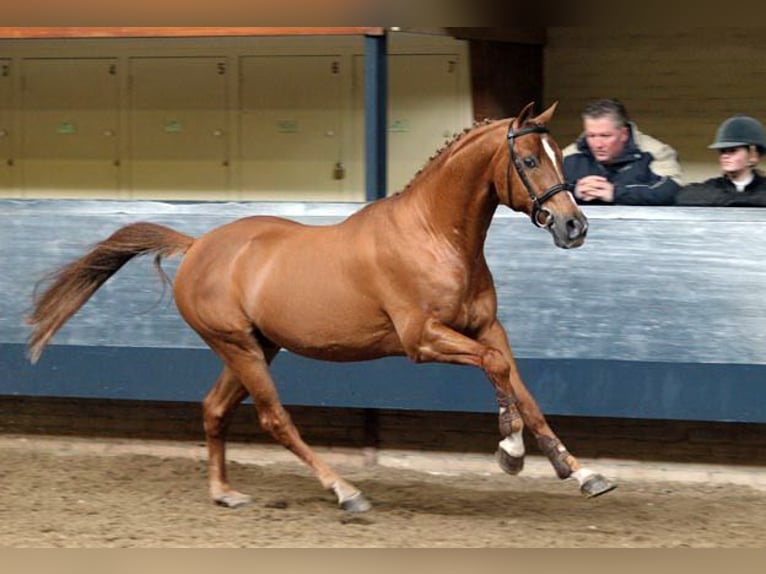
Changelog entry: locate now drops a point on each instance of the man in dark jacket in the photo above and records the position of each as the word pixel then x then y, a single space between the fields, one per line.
pixel 740 141
pixel 613 163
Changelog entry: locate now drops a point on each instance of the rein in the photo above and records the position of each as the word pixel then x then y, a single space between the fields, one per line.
pixel 537 201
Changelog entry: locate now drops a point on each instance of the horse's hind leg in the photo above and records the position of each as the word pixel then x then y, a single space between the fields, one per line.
pixel 218 409
pixel 249 366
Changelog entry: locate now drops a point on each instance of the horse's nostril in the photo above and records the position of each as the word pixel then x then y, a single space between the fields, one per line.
pixel 575 228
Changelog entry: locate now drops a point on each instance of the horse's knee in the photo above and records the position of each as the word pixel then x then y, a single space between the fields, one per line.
pixel 497 367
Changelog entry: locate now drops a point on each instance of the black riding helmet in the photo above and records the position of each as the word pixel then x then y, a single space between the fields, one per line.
pixel 739 131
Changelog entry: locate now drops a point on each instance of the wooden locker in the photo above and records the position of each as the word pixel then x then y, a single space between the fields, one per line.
pixel 6 129
pixel 291 133
pixel 179 128
pixel 424 111
pixel 70 117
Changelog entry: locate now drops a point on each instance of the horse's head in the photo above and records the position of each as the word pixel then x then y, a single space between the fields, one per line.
pixel 532 180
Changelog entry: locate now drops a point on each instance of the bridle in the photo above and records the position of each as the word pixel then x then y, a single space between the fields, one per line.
pixel 537 201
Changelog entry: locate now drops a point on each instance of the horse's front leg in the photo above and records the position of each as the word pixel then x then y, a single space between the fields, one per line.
pixel 564 463
pixel 432 341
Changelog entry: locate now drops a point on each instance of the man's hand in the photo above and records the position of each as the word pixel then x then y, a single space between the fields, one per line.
pixel 593 187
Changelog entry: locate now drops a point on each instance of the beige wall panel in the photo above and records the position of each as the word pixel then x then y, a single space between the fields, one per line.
pixel 6 127
pixel 426 108
pixel 70 118
pixel 178 128
pixel 424 111
pixel 290 130
pixel 168 124
pixel 677 85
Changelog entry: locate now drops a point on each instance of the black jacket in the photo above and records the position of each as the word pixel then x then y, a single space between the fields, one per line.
pixel 634 181
pixel 721 192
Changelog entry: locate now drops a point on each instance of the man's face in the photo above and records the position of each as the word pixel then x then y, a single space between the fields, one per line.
pixel 605 138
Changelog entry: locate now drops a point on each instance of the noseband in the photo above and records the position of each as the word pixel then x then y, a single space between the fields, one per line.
pixel 537 201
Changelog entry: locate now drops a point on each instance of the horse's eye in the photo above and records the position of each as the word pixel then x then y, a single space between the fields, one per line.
pixel 530 162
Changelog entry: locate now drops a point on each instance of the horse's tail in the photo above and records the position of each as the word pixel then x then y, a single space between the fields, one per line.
pixel 73 284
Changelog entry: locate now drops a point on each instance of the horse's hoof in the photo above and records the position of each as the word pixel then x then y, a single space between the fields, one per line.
pixel 510 464
pixel 232 499
pixel 596 485
pixel 356 503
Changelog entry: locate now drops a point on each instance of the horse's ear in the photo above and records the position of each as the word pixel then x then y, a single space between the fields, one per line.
pixel 523 116
pixel 546 116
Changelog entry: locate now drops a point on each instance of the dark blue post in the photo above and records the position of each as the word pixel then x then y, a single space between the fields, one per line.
pixel 375 113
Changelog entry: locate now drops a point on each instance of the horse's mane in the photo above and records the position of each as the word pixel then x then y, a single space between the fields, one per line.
pixel 447 145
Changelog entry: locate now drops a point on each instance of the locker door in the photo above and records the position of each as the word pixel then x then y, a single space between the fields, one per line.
pixel 69 127
pixel 178 128
pixel 6 125
pixel 424 111
pixel 291 128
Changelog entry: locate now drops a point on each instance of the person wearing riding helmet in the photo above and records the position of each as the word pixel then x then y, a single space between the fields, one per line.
pixel 613 163
pixel 740 141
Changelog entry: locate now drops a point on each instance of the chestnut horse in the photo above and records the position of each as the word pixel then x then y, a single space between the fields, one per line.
pixel 405 275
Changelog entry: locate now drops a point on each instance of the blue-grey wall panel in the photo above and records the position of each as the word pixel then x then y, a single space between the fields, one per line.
pixel 577 387
pixel 660 314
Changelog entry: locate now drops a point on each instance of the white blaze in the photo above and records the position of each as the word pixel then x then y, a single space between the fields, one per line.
pixel 552 156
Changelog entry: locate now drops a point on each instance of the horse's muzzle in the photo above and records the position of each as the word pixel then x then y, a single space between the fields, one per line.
pixel 568 232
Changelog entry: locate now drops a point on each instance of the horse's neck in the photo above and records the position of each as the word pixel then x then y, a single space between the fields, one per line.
pixel 457 204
